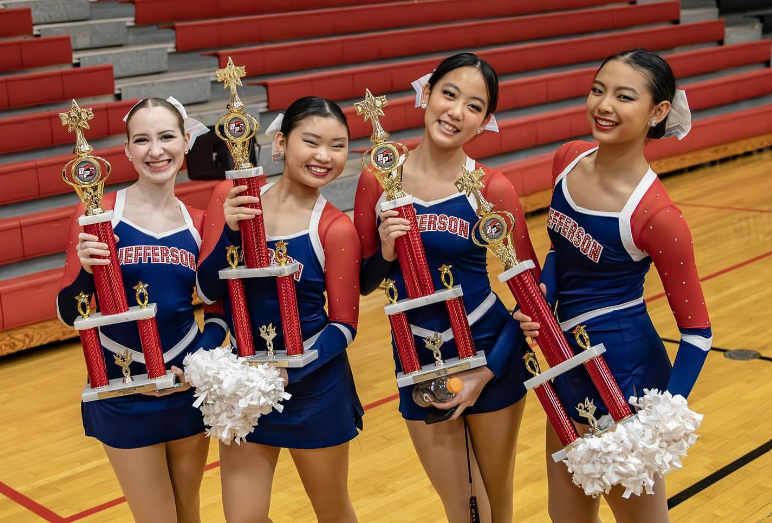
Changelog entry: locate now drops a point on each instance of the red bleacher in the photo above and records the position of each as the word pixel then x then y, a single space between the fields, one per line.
pixel 533 174
pixel 210 34
pixel 552 87
pixel 385 78
pixel 15 21
pixel 158 11
pixel 29 53
pixel 277 58
pixel 30 89
pixel 38 130
pixel 30 299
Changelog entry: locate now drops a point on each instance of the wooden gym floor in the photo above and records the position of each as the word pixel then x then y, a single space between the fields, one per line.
pixel 50 472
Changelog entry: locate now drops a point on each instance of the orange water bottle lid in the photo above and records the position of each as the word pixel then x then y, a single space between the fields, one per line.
pixel 455 385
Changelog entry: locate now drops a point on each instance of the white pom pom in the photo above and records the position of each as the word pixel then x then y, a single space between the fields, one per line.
pixel 651 443
pixel 231 394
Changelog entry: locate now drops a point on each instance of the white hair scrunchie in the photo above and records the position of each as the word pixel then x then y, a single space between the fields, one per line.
pixel 679 119
pixel 274 128
pixel 419 84
pixel 192 126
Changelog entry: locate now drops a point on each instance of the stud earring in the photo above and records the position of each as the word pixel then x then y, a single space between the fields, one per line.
pixel 479 130
pixel 652 123
pixel 423 105
pixel 131 158
pixel 187 150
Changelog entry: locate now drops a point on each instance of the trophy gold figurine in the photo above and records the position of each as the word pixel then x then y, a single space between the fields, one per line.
pixel 87 174
pixel 384 160
pixel 238 129
pixel 494 231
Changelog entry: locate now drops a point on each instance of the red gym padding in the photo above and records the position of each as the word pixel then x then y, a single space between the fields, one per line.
pixel 385 78
pixel 210 34
pixel 295 56
pixel 38 130
pixel 31 89
pixel 30 53
pixel 158 11
pixel 15 21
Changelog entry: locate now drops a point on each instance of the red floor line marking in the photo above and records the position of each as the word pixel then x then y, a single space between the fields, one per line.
pixel 34 507
pixel 723 207
pixel 54 518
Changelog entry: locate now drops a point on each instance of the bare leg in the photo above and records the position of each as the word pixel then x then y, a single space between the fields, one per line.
pixel 324 473
pixel 494 437
pixel 646 508
pixel 144 478
pixel 442 452
pixel 186 459
pixel 567 502
pixel 246 473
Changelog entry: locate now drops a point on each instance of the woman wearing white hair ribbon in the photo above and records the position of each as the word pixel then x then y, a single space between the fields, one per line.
pixel 459 99
pixel 155 442
pixel 610 218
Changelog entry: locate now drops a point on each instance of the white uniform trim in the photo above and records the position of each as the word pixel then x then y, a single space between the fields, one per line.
pixel 117 348
pixel 313 230
pixel 120 203
pixel 698 341
pixel 201 294
pixel 573 322
pixel 447 334
pixel 573 163
pixel 626 216
pixel 345 331
pixel 223 325
pixel 189 223
pixel 470 165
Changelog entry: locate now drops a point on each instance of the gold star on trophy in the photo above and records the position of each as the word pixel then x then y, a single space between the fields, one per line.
pixel 372 108
pixel 141 295
pixel 238 127
pixel 84 304
pixel 231 76
pixel 76 119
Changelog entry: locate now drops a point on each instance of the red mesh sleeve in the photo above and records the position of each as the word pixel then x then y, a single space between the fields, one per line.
pixel 368 193
pixel 500 192
pixel 666 237
pixel 214 220
pixel 343 256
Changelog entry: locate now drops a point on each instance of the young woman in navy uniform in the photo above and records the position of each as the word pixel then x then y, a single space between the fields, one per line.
pixel 459 100
pixel 324 412
pixel 610 219
pixel 155 442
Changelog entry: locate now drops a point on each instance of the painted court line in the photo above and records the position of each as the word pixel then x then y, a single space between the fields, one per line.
pixel 52 517
pixel 723 207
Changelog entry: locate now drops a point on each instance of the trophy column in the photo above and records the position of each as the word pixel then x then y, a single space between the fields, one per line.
pixel 384 160
pixel 84 173
pixel 238 129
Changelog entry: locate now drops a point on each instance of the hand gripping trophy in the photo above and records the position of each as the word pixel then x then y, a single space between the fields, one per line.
pixel 238 130
pixel 493 231
pixel 384 159
pixel 86 174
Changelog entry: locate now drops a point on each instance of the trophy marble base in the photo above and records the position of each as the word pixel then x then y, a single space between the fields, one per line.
pixel 557 370
pixel 280 359
pixel 272 271
pixel 409 304
pixel 432 371
pixel 98 319
pixel 140 383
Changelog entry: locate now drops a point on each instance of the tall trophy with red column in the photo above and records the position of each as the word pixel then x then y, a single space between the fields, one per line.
pixel 238 129
pixel 493 231
pixel 87 175
pixel 384 159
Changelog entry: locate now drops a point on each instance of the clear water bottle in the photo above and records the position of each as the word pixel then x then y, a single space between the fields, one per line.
pixel 438 390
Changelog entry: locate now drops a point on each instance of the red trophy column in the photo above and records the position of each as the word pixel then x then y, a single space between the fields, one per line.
pixel 242 325
pixel 403 337
pixel 288 305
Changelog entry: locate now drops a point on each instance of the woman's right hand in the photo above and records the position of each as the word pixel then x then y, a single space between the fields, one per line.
pixel 530 328
pixel 89 246
pixel 234 210
pixel 391 228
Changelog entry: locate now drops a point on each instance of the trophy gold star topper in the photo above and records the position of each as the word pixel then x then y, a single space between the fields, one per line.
pixel 382 159
pixel 238 127
pixel 493 230
pixel 85 171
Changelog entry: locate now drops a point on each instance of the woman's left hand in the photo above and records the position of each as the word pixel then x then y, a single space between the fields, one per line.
pixel 474 382
pixel 183 385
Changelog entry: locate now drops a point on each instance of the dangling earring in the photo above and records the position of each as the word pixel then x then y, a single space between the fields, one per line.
pixel 187 150
pixel 423 105
pixel 652 123
pixel 479 130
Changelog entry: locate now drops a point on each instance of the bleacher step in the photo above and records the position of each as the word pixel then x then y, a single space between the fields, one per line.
pixel 748 32
pixel 698 14
pixel 52 11
pixel 189 87
pixel 90 34
pixel 129 60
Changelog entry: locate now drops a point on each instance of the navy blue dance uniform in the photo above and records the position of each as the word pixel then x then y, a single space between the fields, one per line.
pixel 596 269
pixel 324 409
pixel 445 226
pixel 167 263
